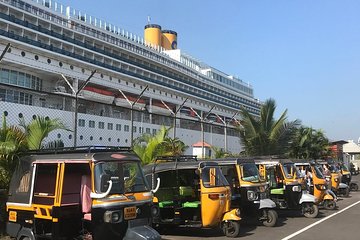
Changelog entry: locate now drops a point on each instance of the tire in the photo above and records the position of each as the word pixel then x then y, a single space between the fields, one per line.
pixel 354 187
pixel 272 218
pixel 310 210
pixel 231 228
pixel 25 238
pixel 347 192
pixel 329 204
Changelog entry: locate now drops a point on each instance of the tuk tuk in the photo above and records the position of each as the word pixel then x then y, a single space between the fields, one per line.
pixel 80 193
pixel 192 194
pixel 346 179
pixel 249 191
pixel 336 185
pixel 317 185
pixel 286 186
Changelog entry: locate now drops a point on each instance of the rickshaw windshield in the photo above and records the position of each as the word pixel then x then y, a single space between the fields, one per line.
pixel 126 177
pixel 318 172
pixel 344 167
pixel 250 172
pixel 213 177
pixel 290 171
pixel 334 169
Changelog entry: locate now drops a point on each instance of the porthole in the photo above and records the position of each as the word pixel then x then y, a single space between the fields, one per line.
pixel 81 137
pixel 110 78
pixel 60 64
pixel 119 81
pixel 23 53
pixel 126 140
pixel 47 118
pixel 118 140
pixel 36 57
pixel 91 138
pixel 70 136
pixel 34 117
pixel 6 113
pixel 83 70
pixel 100 138
pixel 109 139
pixel 59 135
pixel 71 67
pixel 21 115
pixel 102 75
pixel 9 50
pixel 48 61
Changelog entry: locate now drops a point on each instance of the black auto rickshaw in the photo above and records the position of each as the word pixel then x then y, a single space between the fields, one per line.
pixel 249 191
pixel 192 194
pixel 286 188
pixel 80 193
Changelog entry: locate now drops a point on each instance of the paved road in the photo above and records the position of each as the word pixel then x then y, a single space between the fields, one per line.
pixel 342 223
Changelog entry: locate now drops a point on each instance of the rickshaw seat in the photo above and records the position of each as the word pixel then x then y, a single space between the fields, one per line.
pixel 186 191
pixel 166 204
pixel 278 191
pixel 195 204
pixel 85 196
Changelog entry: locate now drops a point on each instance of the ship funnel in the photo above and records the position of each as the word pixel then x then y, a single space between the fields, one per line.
pixel 153 35
pixel 169 40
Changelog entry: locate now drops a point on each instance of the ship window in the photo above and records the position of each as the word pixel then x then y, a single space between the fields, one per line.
pixel 60 64
pixel 101 125
pixel 71 67
pixel 110 126
pixel 48 61
pixel 134 129
pixel 100 138
pixel 23 53
pixel 126 128
pixel 81 122
pixel 118 140
pixel 91 138
pixel 4 76
pixel 118 127
pixel 70 136
pixel 81 137
pixel 91 124
pixel 109 139
pixel 59 135
pixel 148 130
pixel 154 131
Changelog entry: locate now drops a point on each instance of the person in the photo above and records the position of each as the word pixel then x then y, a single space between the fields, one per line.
pixel 308 177
pixel 327 175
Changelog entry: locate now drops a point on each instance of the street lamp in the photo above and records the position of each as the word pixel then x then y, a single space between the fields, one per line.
pixel 76 93
pixel 202 119
pixel 174 114
pixel 6 49
pixel 132 104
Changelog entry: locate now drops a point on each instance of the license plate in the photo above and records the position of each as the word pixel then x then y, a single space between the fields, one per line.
pixel 129 213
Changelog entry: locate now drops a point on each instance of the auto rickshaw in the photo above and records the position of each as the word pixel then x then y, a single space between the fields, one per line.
pixel 80 193
pixel 318 186
pixel 192 193
pixel 335 177
pixel 249 191
pixel 346 179
pixel 286 186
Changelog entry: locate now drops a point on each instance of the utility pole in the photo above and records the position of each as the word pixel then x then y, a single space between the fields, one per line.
pixel 76 93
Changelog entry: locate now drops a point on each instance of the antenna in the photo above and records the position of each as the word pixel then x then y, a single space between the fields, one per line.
pixel 148 19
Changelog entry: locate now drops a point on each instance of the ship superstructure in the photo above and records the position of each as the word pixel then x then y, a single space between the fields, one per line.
pixel 55 49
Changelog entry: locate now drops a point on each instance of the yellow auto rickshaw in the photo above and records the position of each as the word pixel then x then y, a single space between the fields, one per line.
pixel 192 193
pixel 249 191
pixel 286 186
pixel 80 193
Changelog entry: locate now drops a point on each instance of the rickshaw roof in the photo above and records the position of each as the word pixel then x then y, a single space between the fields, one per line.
pixel 81 154
pixel 176 165
pixel 272 161
pixel 233 161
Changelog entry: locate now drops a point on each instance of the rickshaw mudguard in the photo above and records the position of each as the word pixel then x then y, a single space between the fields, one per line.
pixel 142 233
pixel 328 197
pixel 343 186
pixel 231 216
pixel 25 232
pixel 306 197
pixel 267 203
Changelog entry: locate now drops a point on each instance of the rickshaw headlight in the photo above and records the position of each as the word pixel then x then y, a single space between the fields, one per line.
pixel 113 216
pixel 296 188
pixel 320 186
pixel 336 179
pixel 155 211
pixel 251 195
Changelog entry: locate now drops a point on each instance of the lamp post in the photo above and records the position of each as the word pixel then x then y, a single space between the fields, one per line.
pixel 6 49
pixel 174 114
pixel 76 93
pixel 132 104
pixel 202 119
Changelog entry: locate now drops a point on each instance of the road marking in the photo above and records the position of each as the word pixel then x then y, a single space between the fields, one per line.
pixel 318 222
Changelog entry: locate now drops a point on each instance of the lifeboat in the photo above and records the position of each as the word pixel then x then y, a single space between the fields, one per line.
pixel 159 108
pixel 122 102
pixel 98 95
pixel 188 113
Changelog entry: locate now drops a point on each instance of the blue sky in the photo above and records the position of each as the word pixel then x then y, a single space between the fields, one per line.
pixel 305 54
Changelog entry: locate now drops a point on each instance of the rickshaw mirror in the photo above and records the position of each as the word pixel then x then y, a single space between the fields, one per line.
pixel 105 178
pixel 157 186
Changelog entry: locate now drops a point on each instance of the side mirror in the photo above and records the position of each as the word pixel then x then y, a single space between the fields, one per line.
pixel 106 185
pixel 157 186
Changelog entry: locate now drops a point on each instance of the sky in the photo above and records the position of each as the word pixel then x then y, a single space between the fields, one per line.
pixel 305 54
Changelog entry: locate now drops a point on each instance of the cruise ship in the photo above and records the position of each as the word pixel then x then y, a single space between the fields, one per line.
pixel 108 85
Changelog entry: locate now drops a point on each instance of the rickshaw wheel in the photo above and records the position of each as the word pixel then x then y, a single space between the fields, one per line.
pixel 25 238
pixel 311 211
pixel 329 204
pixel 231 229
pixel 347 192
pixel 271 219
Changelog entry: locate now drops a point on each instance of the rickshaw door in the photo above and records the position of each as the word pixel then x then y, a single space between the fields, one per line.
pixel 215 196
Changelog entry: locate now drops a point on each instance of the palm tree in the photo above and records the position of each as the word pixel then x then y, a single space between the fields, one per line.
pixel 266 135
pixel 147 146
pixel 172 147
pixel 309 143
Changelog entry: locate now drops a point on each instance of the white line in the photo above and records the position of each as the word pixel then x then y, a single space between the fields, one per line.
pixel 318 222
